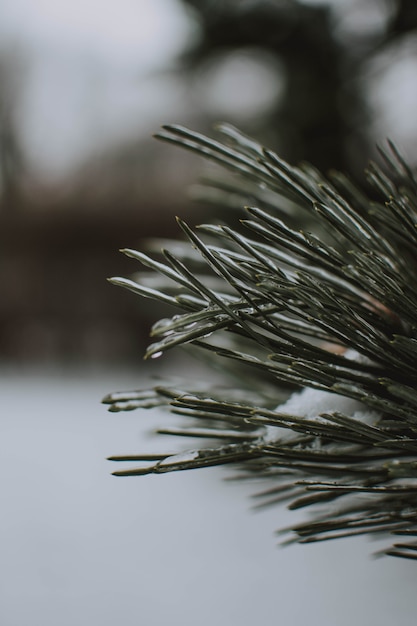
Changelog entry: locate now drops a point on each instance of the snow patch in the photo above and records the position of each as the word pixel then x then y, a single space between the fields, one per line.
pixel 311 403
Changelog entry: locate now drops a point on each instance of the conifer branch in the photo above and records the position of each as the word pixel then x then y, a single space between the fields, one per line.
pixel 321 323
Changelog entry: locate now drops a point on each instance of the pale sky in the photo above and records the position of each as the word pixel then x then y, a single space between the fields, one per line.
pixel 90 75
pixel 88 72
pixel 116 32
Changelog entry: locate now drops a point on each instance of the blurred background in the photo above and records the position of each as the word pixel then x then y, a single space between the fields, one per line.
pixel 83 86
pixel 82 90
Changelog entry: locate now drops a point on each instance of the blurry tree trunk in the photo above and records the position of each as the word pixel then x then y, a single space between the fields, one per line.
pixel 11 157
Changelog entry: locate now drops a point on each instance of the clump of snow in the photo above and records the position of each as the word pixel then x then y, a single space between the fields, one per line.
pixel 311 403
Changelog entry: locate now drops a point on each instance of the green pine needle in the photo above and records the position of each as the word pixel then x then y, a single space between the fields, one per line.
pixel 280 309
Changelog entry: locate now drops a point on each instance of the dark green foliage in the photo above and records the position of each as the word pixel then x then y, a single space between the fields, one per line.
pixel 281 309
pixel 323 113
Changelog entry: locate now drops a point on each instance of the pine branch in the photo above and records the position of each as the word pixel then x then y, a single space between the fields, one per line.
pixel 315 331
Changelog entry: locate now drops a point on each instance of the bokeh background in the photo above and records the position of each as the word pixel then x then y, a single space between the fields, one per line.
pixel 83 87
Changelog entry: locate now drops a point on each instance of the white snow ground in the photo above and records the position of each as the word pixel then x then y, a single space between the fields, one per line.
pixel 81 547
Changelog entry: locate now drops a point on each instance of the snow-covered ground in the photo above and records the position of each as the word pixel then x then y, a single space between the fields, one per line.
pixel 81 547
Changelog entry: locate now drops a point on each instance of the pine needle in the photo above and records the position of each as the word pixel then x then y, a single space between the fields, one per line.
pixel 280 310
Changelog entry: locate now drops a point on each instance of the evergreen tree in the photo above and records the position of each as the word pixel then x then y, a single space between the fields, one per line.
pixel 314 330
pixel 323 114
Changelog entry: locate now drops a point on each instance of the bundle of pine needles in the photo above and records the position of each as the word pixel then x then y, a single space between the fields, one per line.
pixel 316 331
